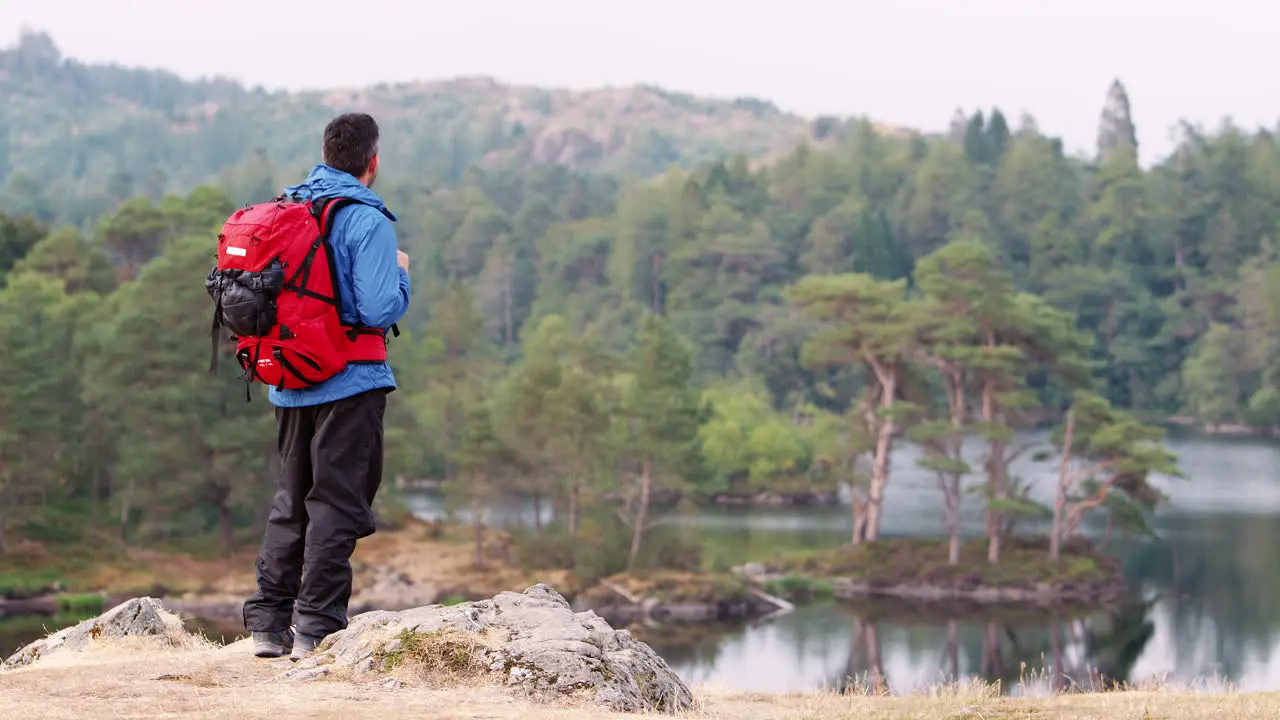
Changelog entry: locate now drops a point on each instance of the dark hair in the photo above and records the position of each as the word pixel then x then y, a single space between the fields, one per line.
pixel 350 142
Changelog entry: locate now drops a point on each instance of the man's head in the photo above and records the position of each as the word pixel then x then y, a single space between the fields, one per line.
pixel 351 145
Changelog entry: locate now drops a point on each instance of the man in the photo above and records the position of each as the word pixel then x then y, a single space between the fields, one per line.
pixel 330 435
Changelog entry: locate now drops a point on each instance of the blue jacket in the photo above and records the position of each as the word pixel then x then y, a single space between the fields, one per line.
pixel 373 287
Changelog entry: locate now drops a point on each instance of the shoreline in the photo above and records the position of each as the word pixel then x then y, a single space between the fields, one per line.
pixel 423 563
pixel 848 589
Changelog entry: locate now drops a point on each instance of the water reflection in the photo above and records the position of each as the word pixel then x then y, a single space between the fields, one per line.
pixel 883 645
pixel 1219 578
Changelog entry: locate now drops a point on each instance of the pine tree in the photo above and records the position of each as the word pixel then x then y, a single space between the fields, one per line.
pixel 478 460
pixel 662 413
pixel 38 390
pixel 1107 457
pixel 997 136
pixel 976 147
pixel 865 322
pixel 1116 131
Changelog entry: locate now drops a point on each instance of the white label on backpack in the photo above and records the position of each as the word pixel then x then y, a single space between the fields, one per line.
pixel 231 250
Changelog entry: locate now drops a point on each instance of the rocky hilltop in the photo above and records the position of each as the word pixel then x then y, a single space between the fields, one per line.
pixel 95 129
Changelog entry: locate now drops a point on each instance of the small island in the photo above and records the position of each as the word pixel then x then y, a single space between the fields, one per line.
pixel 918 568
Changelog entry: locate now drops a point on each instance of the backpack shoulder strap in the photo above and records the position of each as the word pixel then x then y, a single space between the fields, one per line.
pixel 324 211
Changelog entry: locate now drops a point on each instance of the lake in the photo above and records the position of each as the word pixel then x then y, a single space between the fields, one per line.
pixel 1208 611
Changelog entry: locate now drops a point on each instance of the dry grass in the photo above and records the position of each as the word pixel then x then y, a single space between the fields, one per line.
pixel 445 658
pixel 227 683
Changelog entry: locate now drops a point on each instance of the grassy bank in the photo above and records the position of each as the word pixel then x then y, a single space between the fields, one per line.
pixel 226 683
pixel 96 564
pixel 920 567
pixel 437 558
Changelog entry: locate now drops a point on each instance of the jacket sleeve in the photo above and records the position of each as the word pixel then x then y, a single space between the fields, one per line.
pixel 382 288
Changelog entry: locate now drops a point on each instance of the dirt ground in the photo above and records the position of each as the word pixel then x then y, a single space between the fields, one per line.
pixel 227 683
pixel 447 564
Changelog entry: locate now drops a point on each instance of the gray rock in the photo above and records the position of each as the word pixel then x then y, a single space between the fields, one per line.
pixel 140 617
pixel 313 673
pixel 531 642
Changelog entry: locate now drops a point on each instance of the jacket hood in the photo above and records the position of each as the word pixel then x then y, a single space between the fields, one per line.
pixel 327 182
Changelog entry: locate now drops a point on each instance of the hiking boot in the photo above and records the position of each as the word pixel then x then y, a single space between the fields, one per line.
pixel 304 645
pixel 272 644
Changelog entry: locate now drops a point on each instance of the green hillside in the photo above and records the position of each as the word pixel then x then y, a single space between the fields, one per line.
pixel 98 134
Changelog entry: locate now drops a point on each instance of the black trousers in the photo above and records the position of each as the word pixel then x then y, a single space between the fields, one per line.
pixel 330 470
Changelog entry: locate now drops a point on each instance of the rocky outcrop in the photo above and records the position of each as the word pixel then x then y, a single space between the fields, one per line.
pixel 531 642
pixel 137 618
pixel 674 597
pixel 799 499
pixel 566 146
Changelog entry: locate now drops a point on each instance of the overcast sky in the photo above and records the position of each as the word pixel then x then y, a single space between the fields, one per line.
pixel 909 62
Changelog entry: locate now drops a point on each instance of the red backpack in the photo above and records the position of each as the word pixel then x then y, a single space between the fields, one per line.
pixel 276 289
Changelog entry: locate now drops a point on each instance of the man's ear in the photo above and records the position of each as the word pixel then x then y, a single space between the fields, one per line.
pixel 373 165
